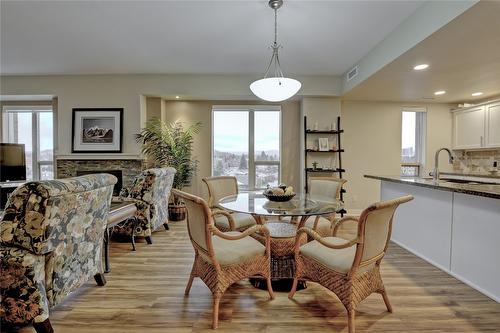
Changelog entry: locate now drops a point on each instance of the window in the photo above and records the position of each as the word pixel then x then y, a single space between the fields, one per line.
pixel 246 143
pixel 412 141
pixel 32 126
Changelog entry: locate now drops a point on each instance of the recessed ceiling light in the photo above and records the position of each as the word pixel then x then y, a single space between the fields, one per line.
pixel 477 93
pixel 420 67
pixel 440 92
pixel 177 97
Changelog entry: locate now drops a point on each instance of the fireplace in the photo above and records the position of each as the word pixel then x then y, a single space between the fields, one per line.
pixel 124 169
pixel 117 173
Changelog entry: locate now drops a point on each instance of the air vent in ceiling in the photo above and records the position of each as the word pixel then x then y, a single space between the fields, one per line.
pixel 352 73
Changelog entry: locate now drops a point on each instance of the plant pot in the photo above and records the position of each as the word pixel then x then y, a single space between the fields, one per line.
pixel 176 212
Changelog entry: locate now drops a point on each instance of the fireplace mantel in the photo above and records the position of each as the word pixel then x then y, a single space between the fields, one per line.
pixel 99 157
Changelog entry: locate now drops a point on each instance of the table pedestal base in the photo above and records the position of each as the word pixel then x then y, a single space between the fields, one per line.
pixel 280 285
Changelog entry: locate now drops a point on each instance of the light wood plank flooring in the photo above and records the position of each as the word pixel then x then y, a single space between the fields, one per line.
pixel 145 293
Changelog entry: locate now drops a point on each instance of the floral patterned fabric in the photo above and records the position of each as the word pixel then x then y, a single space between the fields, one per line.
pixel 150 192
pixel 51 242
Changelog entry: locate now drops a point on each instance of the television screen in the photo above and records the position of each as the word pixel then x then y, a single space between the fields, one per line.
pixel 12 162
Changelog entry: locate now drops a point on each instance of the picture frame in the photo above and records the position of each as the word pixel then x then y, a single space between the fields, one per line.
pixel 323 144
pixel 97 130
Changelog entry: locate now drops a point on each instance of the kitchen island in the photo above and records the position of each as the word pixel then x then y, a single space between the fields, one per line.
pixel 454 226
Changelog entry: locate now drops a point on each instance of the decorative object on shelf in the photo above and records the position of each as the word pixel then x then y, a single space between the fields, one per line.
pixel 276 88
pixel 323 144
pixel 315 165
pixel 315 128
pixel 97 130
pixel 332 127
pixel 171 145
pixel 282 193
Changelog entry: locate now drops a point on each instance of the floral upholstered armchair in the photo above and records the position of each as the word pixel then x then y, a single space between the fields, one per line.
pixel 51 243
pixel 150 191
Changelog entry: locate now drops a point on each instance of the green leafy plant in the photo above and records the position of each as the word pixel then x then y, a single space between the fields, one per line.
pixel 171 145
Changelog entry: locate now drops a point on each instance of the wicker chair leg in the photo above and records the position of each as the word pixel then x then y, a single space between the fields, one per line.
pixel 190 283
pixel 43 327
pixel 270 287
pixel 386 300
pixel 350 320
pixel 294 288
pixel 215 320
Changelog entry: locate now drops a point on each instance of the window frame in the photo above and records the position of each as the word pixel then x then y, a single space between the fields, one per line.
pixel 252 161
pixel 35 111
pixel 420 140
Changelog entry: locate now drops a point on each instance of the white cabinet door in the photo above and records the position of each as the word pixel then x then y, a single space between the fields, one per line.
pixel 468 128
pixel 493 125
pixel 422 226
pixel 475 256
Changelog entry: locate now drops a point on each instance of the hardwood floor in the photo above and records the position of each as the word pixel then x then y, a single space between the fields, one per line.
pixel 145 293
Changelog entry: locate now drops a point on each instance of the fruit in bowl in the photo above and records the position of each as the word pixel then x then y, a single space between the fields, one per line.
pixel 281 193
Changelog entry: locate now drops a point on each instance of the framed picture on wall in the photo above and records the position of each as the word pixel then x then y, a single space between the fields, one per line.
pixel 97 130
pixel 323 144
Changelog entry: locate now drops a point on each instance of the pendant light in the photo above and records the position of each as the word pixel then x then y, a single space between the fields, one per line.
pixel 275 88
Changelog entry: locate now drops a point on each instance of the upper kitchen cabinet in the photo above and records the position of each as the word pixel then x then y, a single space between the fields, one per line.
pixel 493 125
pixel 477 127
pixel 468 128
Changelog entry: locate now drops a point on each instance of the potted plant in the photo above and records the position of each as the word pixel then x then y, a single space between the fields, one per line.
pixel 171 145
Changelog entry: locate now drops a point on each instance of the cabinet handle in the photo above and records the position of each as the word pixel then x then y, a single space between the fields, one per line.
pixel 481 140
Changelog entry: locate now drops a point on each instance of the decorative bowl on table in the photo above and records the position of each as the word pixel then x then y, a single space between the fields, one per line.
pixel 282 193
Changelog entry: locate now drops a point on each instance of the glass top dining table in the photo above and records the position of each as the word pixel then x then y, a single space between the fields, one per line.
pixel 255 203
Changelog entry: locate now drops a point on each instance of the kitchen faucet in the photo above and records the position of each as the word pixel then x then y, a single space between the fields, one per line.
pixel 435 176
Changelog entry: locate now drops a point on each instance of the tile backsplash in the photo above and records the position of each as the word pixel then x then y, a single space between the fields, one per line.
pixel 477 162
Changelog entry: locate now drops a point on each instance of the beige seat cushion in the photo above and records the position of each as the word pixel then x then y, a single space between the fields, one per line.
pixel 324 226
pixel 229 252
pixel 240 221
pixel 337 260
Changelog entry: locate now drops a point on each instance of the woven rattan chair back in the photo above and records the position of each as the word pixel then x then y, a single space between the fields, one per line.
pixel 374 232
pixel 325 187
pixel 199 218
pixel 220 187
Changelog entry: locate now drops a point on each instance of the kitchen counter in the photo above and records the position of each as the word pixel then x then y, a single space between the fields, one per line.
pixel 453 226
pixel 483 190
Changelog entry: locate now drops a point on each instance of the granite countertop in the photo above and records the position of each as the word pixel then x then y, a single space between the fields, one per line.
pixel 483 190
pixel 479 175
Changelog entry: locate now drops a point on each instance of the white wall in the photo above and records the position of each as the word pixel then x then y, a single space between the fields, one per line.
pixel 372 141
pixel 126 91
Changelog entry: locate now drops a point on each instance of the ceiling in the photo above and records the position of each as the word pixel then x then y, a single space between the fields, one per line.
pixel 463 57
pixel 191 37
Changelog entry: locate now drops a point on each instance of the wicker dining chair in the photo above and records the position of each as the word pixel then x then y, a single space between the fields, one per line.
pixel 349 268
pixel 223 258
pixel 324 188
pixel 218 188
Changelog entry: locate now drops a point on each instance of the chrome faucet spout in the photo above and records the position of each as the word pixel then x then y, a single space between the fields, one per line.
pixel 435 176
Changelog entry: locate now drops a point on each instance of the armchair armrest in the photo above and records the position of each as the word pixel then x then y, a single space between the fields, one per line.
pixel 342 220
pixel 250 231
pixel 313 234
pixel 228 215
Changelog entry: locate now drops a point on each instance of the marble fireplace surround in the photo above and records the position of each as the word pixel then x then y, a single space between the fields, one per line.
pixel 69 166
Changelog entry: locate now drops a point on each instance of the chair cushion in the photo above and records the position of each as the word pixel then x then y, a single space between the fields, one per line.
pixel 240 221
pixel 337 260
pixel 229 252
pixel 324 226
